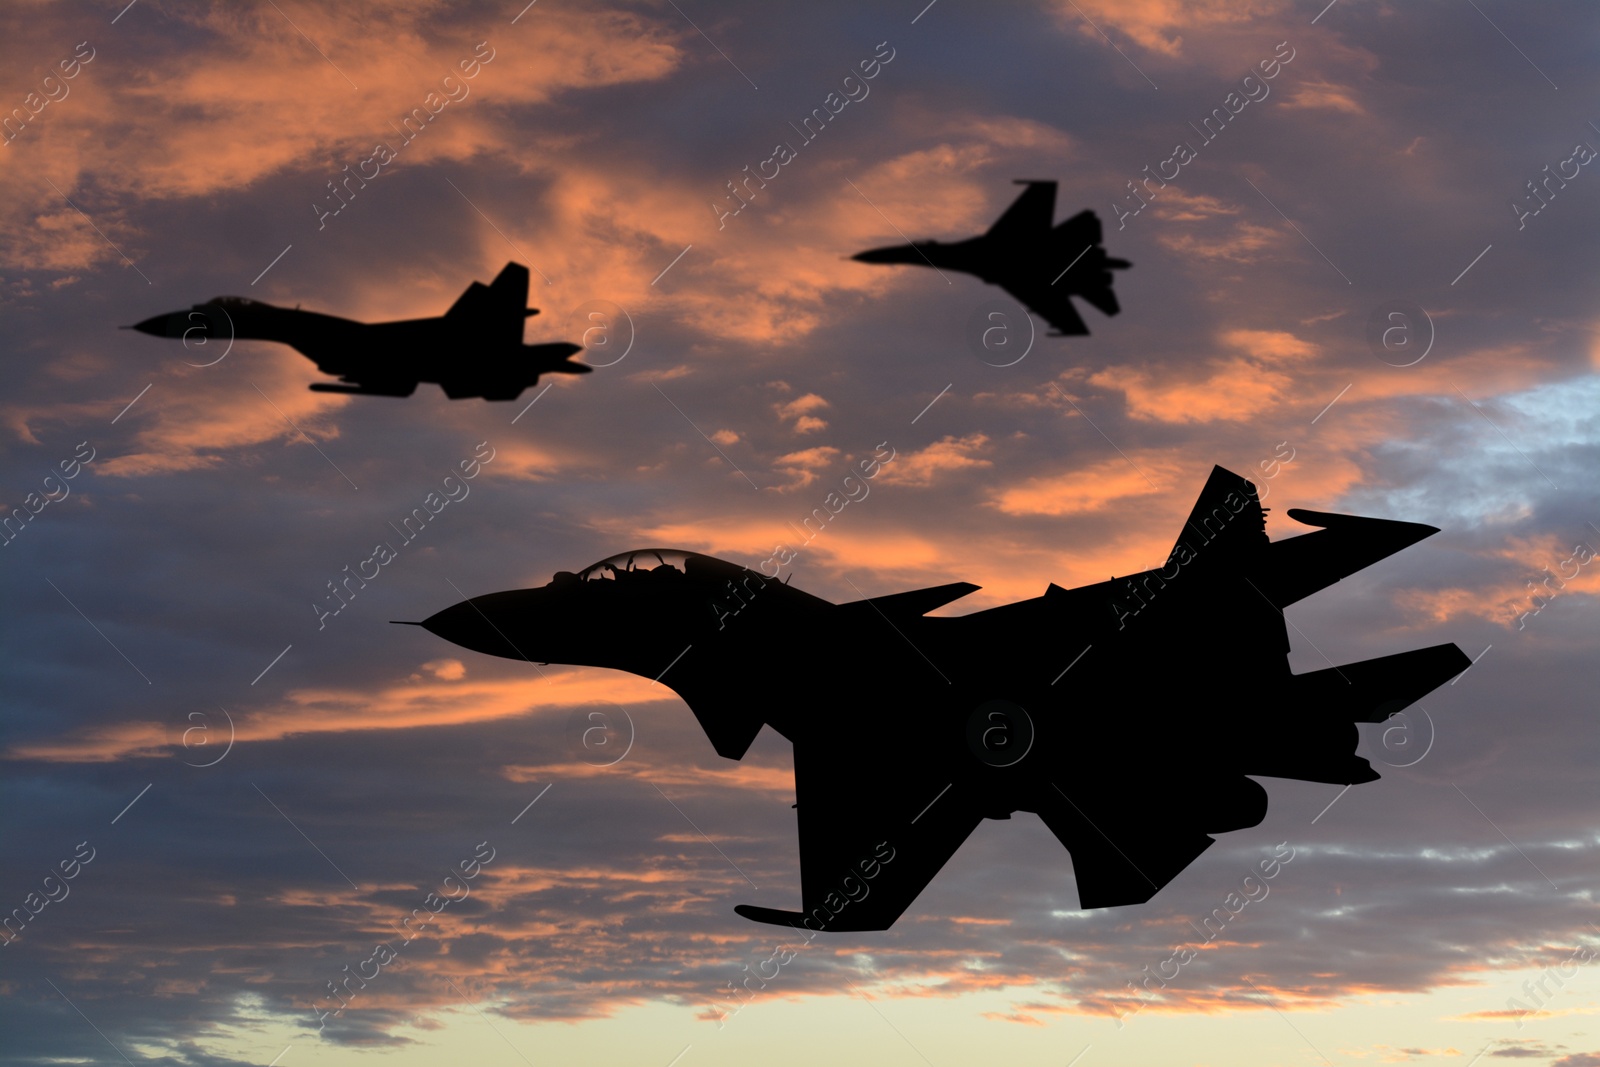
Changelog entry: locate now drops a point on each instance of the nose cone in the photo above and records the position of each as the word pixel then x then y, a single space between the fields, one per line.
pixel 156 326
pixel 509 624
pixel 894 254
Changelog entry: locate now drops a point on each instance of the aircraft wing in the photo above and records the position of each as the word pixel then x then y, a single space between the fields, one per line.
pixel 875 828
pixel 1052 303
pixel 1029 216
pixel 495 311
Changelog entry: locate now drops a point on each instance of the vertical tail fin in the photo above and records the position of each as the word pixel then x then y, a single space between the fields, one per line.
pixel 1227 526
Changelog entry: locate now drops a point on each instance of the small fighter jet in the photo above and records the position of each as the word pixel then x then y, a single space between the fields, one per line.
pixel 474 349
pixel 1132 716
pixel 1039 265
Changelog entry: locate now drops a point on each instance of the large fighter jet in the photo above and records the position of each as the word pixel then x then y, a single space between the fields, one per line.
pixel 1126 714
pixel 474 349
pixel 1022 254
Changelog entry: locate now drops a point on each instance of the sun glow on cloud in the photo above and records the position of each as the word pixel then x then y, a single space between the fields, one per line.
pixel 444 696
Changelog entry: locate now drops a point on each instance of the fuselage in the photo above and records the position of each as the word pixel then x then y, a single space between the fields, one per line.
pixel 1074 265
pixel 426 350
pixel 1002 698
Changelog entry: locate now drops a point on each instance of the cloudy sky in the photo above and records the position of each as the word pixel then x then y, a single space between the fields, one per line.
pixel 251 794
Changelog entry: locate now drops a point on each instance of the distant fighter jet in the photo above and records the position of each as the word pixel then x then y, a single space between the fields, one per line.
pixel 1023 255
pixel 474 349
pixel 1126 714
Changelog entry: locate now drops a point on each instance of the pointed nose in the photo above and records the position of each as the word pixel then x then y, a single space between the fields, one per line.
pixel 156 326
pixel 894 254
pixel 509 624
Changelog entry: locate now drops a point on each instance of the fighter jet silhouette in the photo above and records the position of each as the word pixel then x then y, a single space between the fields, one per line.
pixel 1126 714
pixel 474 349
pixel 1022 254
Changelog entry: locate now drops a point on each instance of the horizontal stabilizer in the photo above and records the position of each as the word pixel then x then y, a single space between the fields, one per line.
pixel 1299 566
pixel 1314 739
pixel 915 602
pixel 1374 689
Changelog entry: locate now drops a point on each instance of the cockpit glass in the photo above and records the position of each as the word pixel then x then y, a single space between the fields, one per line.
pixel 664 563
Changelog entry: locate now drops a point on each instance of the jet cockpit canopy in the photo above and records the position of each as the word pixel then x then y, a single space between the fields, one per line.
pixel 658 564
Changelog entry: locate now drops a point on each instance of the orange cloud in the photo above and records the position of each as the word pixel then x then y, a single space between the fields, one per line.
pixel 1092 488
pixel 799 409
pixel 181 136
pixel 1224 389
pixel 947 454
pixel 445 697
pixel 1548 571
pixel 1154 24
pixel 1324 95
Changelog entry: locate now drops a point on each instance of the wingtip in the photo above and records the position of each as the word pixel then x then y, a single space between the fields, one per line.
pixel 403 622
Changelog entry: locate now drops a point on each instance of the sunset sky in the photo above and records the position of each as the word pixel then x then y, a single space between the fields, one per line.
pixel 251 794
